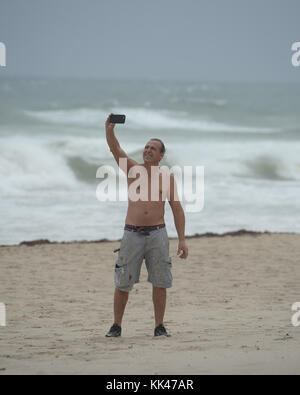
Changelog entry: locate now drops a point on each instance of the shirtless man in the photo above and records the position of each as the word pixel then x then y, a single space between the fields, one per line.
pixel 145 235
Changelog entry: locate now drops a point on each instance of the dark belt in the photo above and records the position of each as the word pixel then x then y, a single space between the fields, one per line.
pixel 144 230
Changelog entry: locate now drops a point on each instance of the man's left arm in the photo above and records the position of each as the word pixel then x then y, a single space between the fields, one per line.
pixel 179 218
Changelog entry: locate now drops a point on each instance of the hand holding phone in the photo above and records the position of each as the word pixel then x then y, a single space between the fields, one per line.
pixel 117 118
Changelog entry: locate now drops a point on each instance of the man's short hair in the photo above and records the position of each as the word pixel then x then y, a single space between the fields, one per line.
pixel 162 148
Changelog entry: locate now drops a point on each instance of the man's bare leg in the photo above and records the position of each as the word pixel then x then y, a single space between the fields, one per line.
pixel 159 297
pixel 120 300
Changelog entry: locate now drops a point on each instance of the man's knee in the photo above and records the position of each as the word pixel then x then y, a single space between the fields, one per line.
pixel 159 292
pixel 123 294
pixel 159 289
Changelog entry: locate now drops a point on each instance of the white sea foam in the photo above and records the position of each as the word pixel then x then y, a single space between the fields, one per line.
pixel 141 118
pixel 235 159
pixel 89 148
pixel 80 116
pixel 27 166
pixel 138 118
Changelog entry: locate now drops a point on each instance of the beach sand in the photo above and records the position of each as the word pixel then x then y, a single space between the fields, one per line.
pixel 229 310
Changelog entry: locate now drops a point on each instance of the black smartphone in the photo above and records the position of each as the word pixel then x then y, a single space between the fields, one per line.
pixel 117 118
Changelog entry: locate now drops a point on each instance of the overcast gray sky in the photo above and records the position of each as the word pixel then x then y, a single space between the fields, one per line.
pixel 205 40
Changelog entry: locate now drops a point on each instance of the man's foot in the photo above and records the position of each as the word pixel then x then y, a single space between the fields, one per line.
pixel 160 330
pixel 115 331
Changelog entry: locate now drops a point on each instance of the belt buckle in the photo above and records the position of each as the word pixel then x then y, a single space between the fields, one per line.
pixel 142 231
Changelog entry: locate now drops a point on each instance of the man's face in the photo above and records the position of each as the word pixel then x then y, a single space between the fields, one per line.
pixel 152 152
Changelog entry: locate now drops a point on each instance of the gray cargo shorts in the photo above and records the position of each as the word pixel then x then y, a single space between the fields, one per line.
pixel 135 247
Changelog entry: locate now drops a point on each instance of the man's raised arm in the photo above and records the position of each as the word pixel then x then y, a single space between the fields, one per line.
pixel 114 145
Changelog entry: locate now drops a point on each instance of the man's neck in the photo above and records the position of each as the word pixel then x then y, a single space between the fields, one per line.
pixel 149 165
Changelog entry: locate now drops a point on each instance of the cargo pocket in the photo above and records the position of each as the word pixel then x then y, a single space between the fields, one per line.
pixel 168 272
pixel 121 267
pixel 121 274
pixel 162 274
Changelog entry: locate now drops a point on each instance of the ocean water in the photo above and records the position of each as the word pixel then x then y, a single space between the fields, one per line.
pixel 52 141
